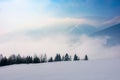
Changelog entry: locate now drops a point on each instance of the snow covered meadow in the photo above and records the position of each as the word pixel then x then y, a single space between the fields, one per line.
pixel 101 69
pixel 31 28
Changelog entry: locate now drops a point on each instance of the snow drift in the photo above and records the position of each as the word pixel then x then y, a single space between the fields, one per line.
pixel 107 69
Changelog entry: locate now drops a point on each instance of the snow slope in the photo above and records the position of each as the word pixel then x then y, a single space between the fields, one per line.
pixel 77 70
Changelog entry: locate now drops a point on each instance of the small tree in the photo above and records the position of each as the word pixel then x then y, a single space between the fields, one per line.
pixel 76 58
pixel 3 61
pixel 36 60
pixel 57 57
pixel 29 59
pixel 18 59
pixel 67 57
pixel 12 59
pixel 50 60
pixel 86 57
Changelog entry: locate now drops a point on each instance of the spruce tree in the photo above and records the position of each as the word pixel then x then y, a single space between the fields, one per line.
pixel 67 57
pixel 57 57
pixel 76 58
pixel 29 59
pixel 50 60
pixel 36 60
pixel 12 59
pixel 86 57
pixel 18 59
pixel 4 61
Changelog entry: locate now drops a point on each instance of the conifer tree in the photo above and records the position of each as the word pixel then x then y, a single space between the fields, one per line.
pixel 76 58
pixel 50 60
pixel 36 60
pixel 3 61
pixel 86 57
pixel 67 57
pixel 57 57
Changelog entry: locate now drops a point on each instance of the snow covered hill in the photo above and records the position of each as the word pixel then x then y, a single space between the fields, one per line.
pixel 77 70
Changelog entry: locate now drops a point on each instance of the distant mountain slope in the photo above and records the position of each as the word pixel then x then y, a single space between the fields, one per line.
pixel 70 30
pixel 113 32
pixel 82 29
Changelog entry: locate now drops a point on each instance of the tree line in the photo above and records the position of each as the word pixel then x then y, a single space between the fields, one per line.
pixel 17 59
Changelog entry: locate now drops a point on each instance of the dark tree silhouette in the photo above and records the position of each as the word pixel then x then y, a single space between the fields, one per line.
pixel 3 61
pixel 86 57
pixel 76 58
pixel 13 59
pixel 50 60
pixel 36 60
pixel 29 59
pixel 67 57
pixel 57 57
pixel 18 59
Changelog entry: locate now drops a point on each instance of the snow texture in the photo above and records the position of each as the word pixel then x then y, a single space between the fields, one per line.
pixel 77 70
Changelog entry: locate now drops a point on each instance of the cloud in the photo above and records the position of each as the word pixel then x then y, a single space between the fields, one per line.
pixel 24 15
pixel 113 21
pixel 29 21
pixel 16 15
pixel 95 48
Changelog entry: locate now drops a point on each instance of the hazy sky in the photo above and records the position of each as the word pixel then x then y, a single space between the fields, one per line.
pixel 23 14
pixel 19 16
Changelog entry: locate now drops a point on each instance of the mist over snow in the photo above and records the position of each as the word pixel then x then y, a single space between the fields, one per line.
pixel 29 27
pixel 50 44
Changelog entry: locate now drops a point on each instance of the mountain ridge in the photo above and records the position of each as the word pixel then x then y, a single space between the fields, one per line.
pixel 113 32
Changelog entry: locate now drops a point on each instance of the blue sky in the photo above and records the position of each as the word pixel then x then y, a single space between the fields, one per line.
pixel 73 7
pixel 19 14
pixel 80 8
